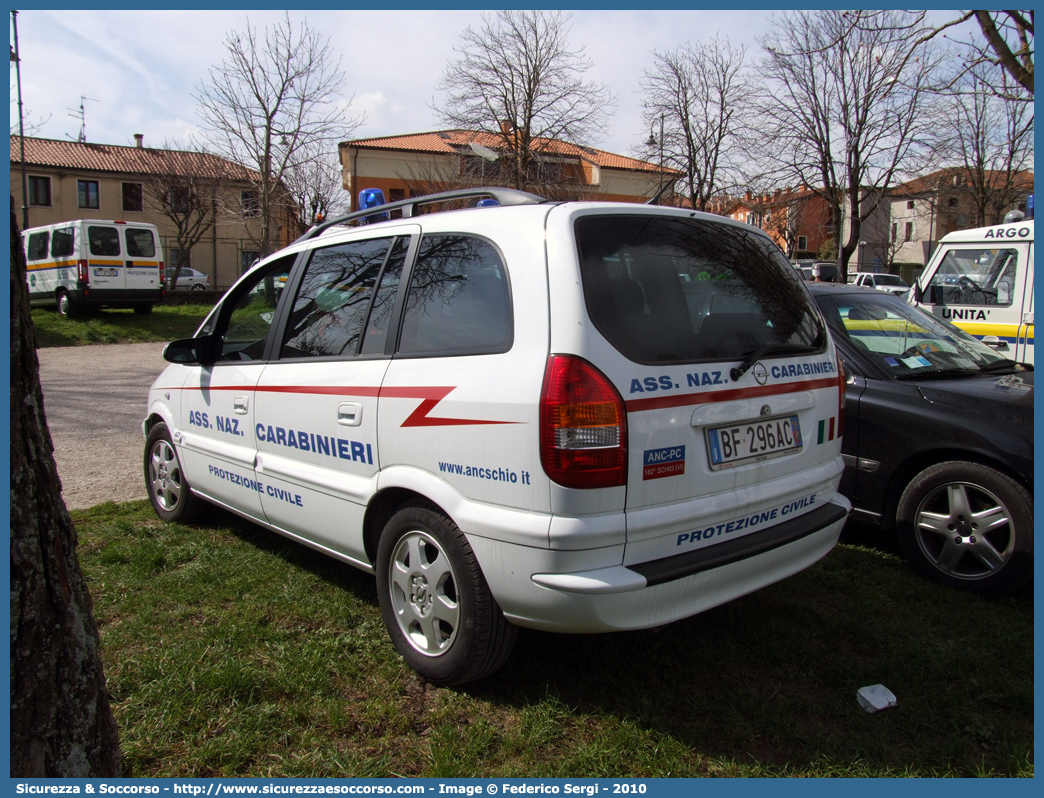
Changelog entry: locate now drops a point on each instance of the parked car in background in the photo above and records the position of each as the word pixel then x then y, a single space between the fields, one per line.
pixel 892 283
pixel 938 439
pixel 824 272
pixel 192 279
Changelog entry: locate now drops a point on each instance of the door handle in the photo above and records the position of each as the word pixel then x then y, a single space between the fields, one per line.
pixel 349 414
pixel 240 405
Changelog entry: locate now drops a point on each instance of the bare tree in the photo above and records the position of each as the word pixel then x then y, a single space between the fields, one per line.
pixel 61 722
pixel 185 187
pixel 847 108
pixel 314 184
pixel 274 96
pixel 700 94
pixel 988 140
pixel 518 81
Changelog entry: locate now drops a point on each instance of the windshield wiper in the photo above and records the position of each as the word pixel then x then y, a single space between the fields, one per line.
pixel 933 374
pixel 999 365
pixel 770 349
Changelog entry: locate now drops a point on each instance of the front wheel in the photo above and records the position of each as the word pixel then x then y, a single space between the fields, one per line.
pixel 143 310
pixel 436 604
pixel 169 491
pixel 969 526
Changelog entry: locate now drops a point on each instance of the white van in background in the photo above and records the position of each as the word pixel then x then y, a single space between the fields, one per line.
pixel 982 281
pixel 94 262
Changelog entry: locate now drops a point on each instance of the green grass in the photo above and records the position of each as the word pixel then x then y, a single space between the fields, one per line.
pixel 230 651
pixel 165 323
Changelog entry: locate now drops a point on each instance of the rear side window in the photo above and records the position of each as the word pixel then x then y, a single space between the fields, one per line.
pixel 459 301
pixel 140 243
pixel 103 241
pixel 62 242
pixel 333 302
pixel 36 249
pixel 669 290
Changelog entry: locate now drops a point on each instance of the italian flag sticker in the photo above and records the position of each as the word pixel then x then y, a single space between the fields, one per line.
pixel 826 431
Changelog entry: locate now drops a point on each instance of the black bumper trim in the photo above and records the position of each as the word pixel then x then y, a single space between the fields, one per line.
pixel 678 566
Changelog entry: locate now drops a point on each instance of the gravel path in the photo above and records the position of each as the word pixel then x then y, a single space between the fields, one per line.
pixel 95 399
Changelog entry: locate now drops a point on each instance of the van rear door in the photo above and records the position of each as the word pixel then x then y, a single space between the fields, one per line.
pixel 106 272
pixel 141 261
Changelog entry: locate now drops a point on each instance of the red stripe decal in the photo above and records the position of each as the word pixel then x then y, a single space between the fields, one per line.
pixel 684 400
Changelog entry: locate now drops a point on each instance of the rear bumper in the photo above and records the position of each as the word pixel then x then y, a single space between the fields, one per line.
pixel 537 588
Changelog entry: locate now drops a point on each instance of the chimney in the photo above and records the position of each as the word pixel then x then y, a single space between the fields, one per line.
pixel 139 140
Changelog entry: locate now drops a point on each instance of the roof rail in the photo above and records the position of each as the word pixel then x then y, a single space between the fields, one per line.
pixel 505 196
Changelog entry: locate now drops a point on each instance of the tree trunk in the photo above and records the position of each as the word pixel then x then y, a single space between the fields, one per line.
pixel 61 723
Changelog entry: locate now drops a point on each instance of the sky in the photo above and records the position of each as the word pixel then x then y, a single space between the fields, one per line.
pixel 140 69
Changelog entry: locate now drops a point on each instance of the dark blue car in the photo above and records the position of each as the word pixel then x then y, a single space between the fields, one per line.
pixel 938 441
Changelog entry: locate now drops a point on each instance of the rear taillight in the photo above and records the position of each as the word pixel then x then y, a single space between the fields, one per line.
pixel 163 274
pixel 81 270
pixel 583 426
pixel 840 397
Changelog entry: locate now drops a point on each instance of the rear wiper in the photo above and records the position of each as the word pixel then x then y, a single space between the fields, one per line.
pixel 770 349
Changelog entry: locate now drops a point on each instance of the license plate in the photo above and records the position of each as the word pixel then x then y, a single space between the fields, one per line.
pixel 758 439
pixel 106 272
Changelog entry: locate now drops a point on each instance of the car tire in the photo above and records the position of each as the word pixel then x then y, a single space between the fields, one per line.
pixel 198 287
pixel 143 310
pixel 169 491
pixel 968 526
pixel 436 604
pixel 65 306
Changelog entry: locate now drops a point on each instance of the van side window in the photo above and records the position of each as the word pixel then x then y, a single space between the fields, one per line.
pixel 459 301
pixel 975 276
pixel 37 247
pixel 140 243
pixel 333 301
pixel 104 241
pixel 62 242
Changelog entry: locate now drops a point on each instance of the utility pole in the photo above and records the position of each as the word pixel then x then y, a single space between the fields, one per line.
pixel 21 124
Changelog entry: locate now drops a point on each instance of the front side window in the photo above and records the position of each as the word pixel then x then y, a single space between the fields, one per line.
pixel 333 302
pixel 459 301
pixel 674 290
pixel 140 243
pixel 87 194
pixel 40 191
pixel 132 197
pixel 103 241
pixel 36 249
pixel 62 242
pixel 975 276
pixel 252 314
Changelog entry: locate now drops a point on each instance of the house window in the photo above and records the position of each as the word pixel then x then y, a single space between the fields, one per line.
pixel 40 191
pixel 909 205
pixel 87 194
pixel 909 232
pixel 895 230
pixel 175 259
pixel 179 200
pixel 247 258
pixel 802 243
pixel 132 197
pixel 248 199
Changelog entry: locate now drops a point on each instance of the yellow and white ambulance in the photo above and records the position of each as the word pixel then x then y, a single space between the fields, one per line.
pixel 94 262
pixel 982 281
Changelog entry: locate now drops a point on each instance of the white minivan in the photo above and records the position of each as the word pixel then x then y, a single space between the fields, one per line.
pixel 93 263
pixel 571 416
pixel 982 281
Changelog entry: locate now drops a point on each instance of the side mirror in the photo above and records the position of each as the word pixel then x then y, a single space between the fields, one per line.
pixel 187 351
pixel 918 293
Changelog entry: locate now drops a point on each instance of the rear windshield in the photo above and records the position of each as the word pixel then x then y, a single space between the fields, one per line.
pixel 670 290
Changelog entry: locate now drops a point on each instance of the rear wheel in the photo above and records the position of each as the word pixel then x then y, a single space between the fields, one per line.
pixel 436 604
pixel 66 307
pixel 169 491
pixel 143 310
pixel 198 287
pixel 969 526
